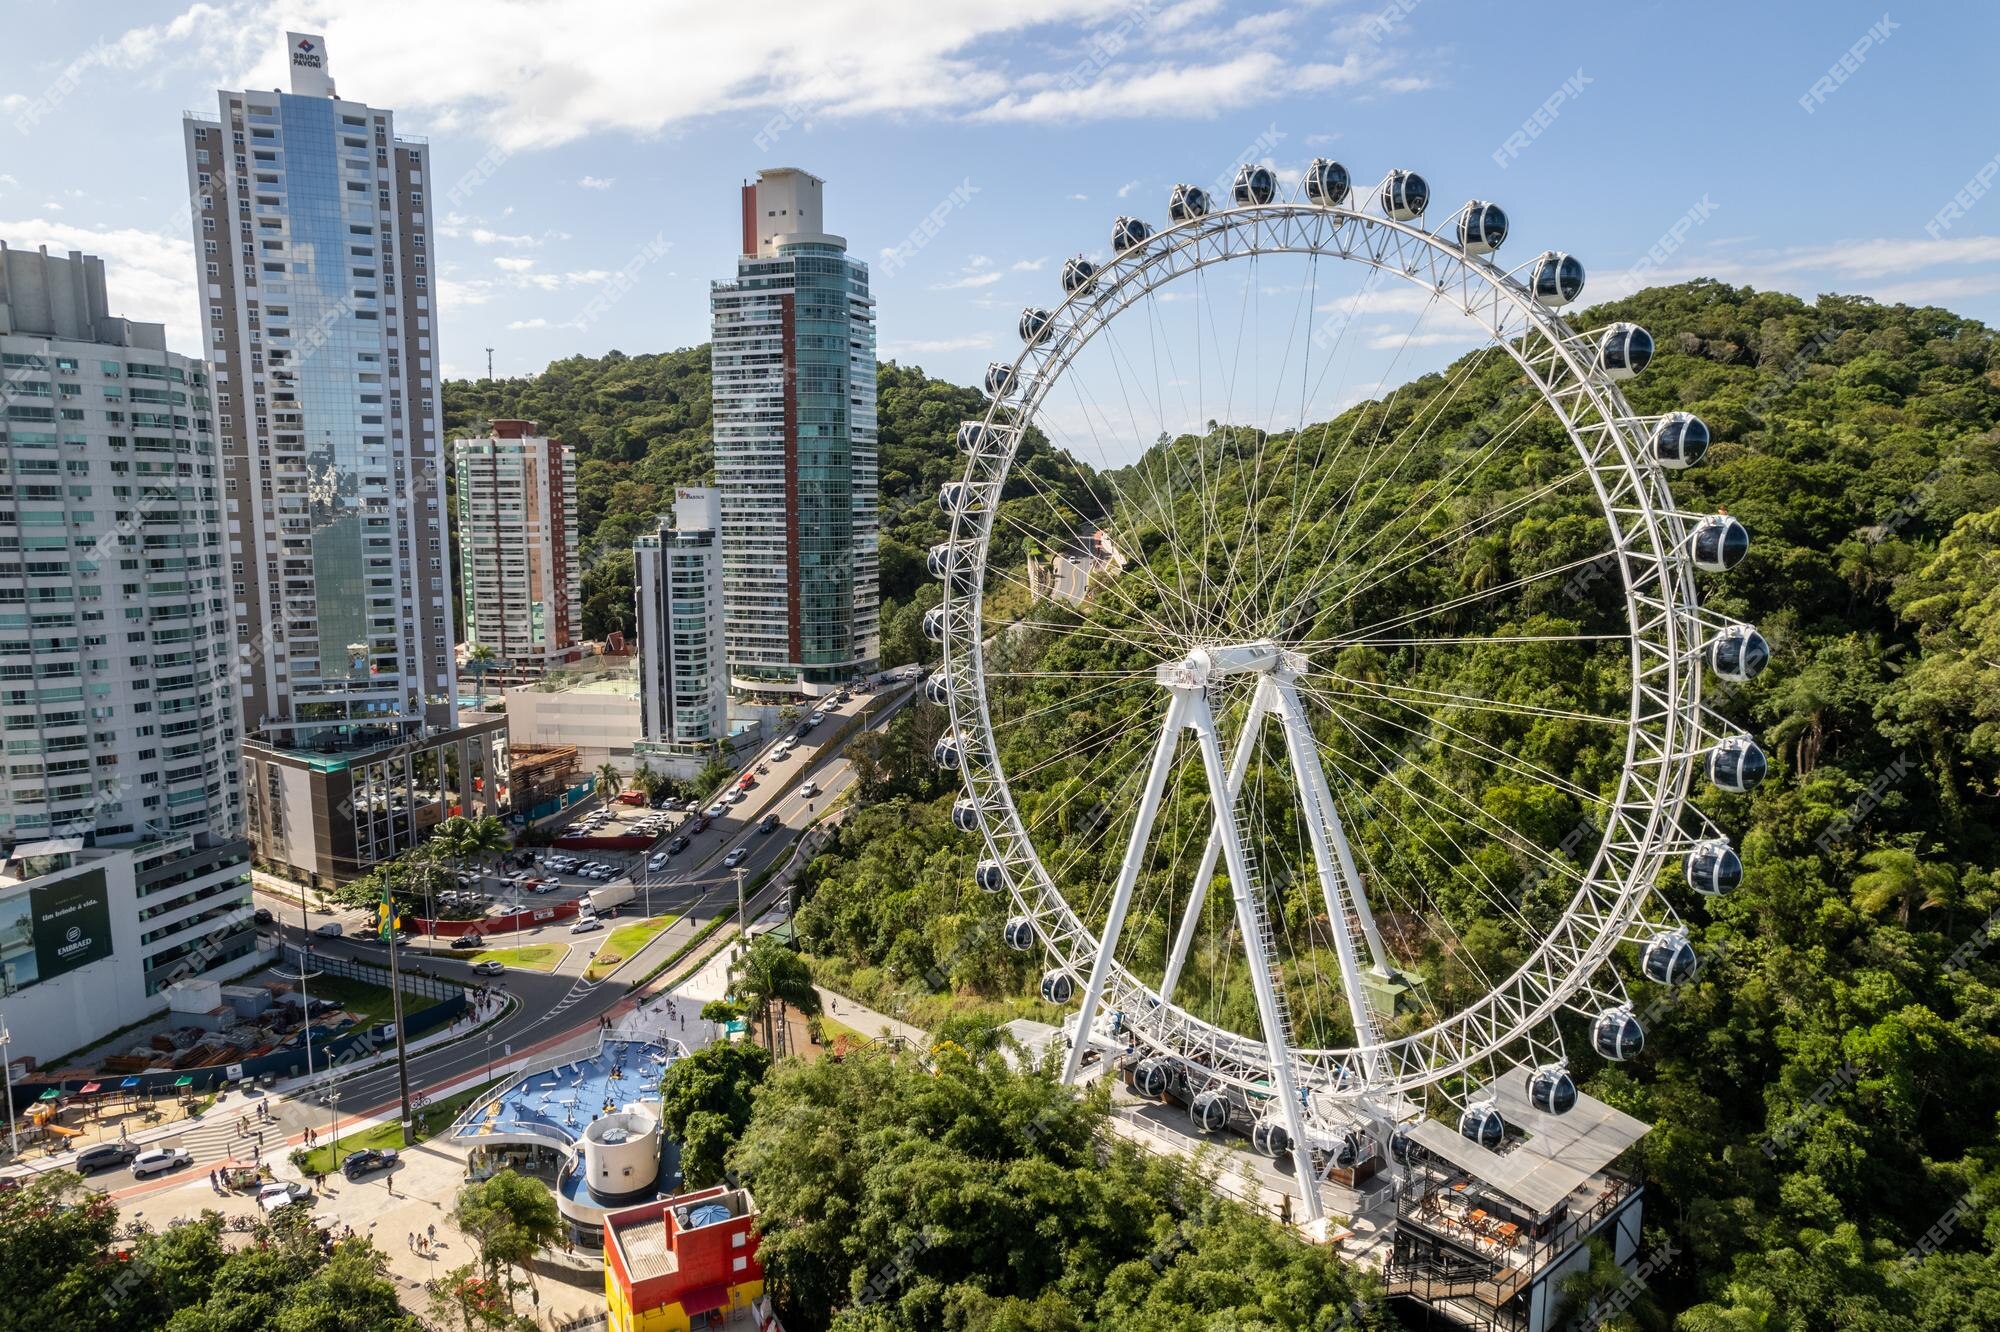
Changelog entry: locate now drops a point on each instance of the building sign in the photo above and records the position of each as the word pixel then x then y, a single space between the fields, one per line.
pixel 307 55
pixel 54 928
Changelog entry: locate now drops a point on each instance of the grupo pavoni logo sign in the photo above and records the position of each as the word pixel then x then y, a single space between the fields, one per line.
pixel 305 54
pixel 54 928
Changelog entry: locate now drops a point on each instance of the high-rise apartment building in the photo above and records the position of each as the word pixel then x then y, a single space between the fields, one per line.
pixel 313 252
pixel 683 676
pixel 520 572
pixel 122 866
pixel 793 373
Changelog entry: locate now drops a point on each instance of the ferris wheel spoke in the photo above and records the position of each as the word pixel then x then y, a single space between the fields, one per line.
pixel 1446 699
pixel 1481 595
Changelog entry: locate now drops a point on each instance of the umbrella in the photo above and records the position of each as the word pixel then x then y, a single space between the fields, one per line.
pixel 129 1083
pixel 52 1094
pixel 87 1088
pixel 183 1081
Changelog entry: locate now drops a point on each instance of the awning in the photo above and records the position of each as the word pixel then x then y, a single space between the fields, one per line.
pixel 87 1088
pixel 129 1083
pixel 183 1081
pixel 702 1299
pixel 52 1094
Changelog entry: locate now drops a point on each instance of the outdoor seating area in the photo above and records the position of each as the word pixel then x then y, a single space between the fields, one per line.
pixel 1485 1226
pixel 560 1102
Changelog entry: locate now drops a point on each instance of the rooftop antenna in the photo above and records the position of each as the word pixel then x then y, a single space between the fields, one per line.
pixel 489 363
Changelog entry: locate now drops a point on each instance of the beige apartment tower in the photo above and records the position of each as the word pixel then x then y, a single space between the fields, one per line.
pixel 520 573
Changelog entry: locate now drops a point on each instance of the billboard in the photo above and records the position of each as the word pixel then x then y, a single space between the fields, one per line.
pixel 52 928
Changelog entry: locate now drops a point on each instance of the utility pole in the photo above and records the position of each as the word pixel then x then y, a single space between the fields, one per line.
pixel 7 1070
pixel 742 916
pixel 489 363
pixel 396 1003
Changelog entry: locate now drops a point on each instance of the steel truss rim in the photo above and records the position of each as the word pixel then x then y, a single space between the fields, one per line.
pixel 1665 726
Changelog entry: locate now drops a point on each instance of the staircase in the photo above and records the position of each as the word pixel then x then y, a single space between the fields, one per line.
pixel 1260 916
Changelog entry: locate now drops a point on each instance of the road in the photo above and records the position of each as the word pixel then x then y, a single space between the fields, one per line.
pixel 1071 580
pixel 553 1007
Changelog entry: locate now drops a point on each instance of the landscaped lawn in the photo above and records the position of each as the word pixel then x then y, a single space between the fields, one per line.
pixel 434 1118
pixel 623 942
pixel 370 1004
pixel 527 957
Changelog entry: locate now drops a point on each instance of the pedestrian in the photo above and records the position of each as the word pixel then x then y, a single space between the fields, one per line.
pixel 413 1241
pixel 211 1180
pixel 431 1232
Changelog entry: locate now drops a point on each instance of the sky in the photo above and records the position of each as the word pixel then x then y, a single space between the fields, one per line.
pixel 590 153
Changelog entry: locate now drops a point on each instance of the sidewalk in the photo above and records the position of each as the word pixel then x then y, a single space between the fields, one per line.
pixel 867 1021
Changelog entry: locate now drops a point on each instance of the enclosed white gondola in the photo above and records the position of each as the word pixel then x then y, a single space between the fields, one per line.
pixel 1255 186
pixel 941 559
pixel 1128 233
pixel 1210 1111
pixel 965 814
pixel 1556 279
pixel 1349 1148
pixel 1187 203
pixel 1482 1123
pixel 934 624
pixel 1057 987
pixel 1036 324
pixel 1552 1090
pixel 946 752
pixel 1720 543
pixel 1482 227
pixel 1327 182
pixel 1714 868
pixel 1623 350
pixel 1270 1136
pixel 1153 1077
pixel 1405 195
pixel 999 383
pixel 1077 274
pixel 1669 958
pixel 938 689
pixel 991 876
pixel 1680 439
pixel 1019 933
pixel 1403 1149
pixel 1736 764
pixel 1738 653
pixel 972 436
pixel 953 496
pixel 1616 1034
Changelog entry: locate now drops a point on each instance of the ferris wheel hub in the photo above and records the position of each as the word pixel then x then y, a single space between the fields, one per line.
pixel 1203 665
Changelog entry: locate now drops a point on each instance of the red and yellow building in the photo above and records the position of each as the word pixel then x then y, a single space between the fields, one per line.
pixel 669 1265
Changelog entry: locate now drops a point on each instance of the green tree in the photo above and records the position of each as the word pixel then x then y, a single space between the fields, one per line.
pixel 479 659
pixel 769 974
pixel 511 1218
pixel 705 1102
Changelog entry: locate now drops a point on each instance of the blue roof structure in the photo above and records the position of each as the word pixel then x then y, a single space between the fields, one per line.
pixel 559 1103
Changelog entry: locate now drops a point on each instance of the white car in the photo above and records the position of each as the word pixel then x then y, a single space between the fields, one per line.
pixel 736 796
pixel 584 925
pixel 658 862
pixel 158 1159
pixel 735 857
pixel 273 1196
pixel 717 810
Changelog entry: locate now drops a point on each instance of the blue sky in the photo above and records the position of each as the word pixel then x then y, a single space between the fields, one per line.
pixel 1805 147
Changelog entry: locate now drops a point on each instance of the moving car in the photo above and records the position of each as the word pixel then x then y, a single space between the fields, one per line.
pixel 678 845
pixel 585 924
pixel 768 824
pixel 261 916
pixel 489 967
pixel 104 1156
pixel 368 1161
pixel 809 790
pixel 735 858
pixel 658 861
pixel 157 1159
pixel 330 930
pixel 468 941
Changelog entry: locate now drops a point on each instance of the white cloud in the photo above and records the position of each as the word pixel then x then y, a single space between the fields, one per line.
pixel 1179 90
pixel 513 265
pixel 985 278
pixel 522 324
pixel 1030 265
pixel 149 276
pixel 6 179
pixel 1127 188
pixel 482 236
pixel 597 182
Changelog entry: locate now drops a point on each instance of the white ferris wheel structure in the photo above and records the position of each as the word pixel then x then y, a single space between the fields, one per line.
pixel 1270 816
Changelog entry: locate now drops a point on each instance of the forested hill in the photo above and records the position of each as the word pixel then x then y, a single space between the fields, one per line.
pixel 1826 1098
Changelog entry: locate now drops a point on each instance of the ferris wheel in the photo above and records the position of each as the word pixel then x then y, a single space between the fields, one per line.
pixel 1335 746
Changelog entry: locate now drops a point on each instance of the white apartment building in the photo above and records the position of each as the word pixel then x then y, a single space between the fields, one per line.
pixel 793 399
pixel 312 231
pixel 122 865
pixel 520 571
pixel 683 675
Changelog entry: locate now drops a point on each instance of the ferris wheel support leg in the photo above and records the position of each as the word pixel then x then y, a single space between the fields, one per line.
pixel 1276 1040
pixel 1260 705
pixel 1313 786
pixel 1128 875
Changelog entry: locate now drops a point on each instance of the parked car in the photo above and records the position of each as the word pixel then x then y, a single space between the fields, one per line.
pixel 104 1156
pixel 717 810
pixel 843 697
pixel 368 1160
pixel 273 1196
pixel 585 924
pixel 468 941
pixel 736 797
pixel 490 967
pixel 813 721
pixel 157 1159
pixel 735 857
pixel 330 930
pixel 768 824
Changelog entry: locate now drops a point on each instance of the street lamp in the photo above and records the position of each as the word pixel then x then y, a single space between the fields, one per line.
pixel 305 974
pixel 7 1070
pixel 333 1121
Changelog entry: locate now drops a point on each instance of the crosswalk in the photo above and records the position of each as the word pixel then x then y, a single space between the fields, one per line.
pixel 578 992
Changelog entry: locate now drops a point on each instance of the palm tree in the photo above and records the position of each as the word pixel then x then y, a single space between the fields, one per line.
pixel 485 839
pixel 1896 874
pixel 770 974
pixel 609 781
pixel 479 659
